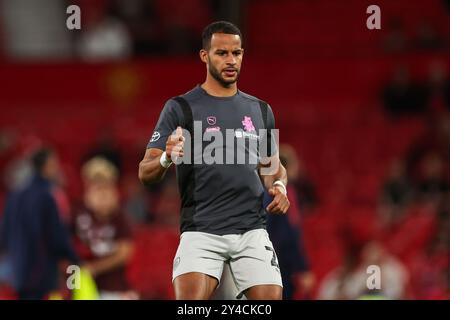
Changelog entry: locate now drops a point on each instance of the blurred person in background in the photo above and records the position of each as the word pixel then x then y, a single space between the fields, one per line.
pixel 434 140
pixel 103 36
pixel 341 283
pixel 394 275
pixel 349 281
pixel 302 185
pixel 396 194
pixel 102 235
pixel 32 234
pixel 431 267
pixel 287 238
pixel 401 96
pixel 144 24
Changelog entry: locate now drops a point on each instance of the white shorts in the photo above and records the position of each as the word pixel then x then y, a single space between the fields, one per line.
pixel 251 257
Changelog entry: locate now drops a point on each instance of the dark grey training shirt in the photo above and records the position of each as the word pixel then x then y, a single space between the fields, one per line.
pixel 218 198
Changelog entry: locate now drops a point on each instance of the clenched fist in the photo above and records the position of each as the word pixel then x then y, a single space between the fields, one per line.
pixel 280 203
pixel 175 145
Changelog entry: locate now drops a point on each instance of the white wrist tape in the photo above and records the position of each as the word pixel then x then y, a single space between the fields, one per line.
pixel 164 161
pixel 281 184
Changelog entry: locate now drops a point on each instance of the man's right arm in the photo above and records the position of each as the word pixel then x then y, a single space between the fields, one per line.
pixel 152 168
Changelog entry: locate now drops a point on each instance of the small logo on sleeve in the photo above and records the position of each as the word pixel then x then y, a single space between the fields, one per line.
pixel 155 136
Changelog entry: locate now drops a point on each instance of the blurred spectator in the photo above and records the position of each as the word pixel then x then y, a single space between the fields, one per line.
pixel 286 235
pixel 436 139
pixel 349 281
pixel 288 244
pixel 103 37
pixel 433 184
pixel 397 190
pixel 32 233
pixel 394 275
pixel 431 267
pixel 403 97
pixel 144 25
pixel 298 177
pixel 396 194
pixel 102 235
pixel 341 283
pixel 35 30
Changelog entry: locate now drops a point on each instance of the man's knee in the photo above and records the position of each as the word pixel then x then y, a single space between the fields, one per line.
pixel 265 292
pixel 194 286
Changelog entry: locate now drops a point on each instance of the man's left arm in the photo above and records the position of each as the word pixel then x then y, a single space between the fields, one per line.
pixel 274 178
pixel 271 171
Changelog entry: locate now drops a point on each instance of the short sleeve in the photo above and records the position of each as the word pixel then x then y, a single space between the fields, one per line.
pixel 271 136
pixel 169 119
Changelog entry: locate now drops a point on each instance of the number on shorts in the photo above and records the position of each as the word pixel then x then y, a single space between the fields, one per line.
pixel 274 261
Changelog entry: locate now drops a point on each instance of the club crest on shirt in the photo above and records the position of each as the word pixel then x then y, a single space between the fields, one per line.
pixel 248 124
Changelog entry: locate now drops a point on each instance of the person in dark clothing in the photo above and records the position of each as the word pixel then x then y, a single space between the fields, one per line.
pixel 402 97
pixel 298 175
pixel 396 194
pixel 32 234
pixel 290 252
pixel 286 234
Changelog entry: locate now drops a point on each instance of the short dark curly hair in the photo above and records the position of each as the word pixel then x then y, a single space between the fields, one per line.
pixel 218 27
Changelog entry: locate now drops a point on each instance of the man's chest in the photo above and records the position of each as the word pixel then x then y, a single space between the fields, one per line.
pixel 227 117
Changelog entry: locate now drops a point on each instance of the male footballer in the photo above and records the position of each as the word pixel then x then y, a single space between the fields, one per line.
pixel 222 214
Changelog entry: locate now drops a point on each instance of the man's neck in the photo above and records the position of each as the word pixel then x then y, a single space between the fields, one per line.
pixel 214 88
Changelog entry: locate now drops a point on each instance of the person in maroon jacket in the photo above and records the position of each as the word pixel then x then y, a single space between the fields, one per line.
pixel 102 235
